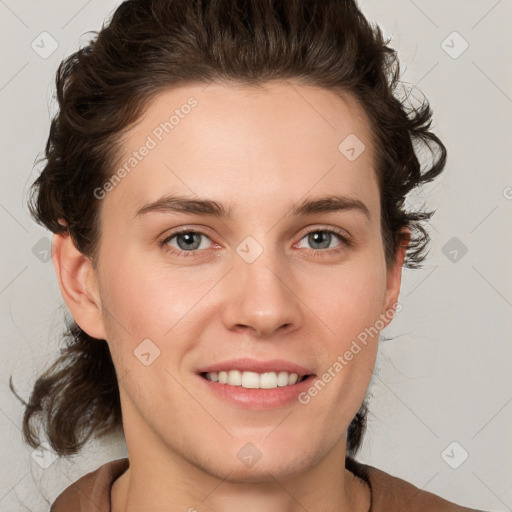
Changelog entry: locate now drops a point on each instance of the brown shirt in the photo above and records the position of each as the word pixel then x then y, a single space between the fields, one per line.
pixel 91 493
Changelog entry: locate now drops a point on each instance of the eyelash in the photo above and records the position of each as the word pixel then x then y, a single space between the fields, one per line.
pixel 315 252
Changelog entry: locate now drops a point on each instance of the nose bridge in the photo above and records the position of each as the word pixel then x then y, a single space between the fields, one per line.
pixel 261 295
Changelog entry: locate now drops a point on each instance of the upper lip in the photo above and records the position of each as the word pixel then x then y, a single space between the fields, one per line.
pixel 253 365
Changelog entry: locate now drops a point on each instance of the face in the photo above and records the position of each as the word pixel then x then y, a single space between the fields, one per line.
pixel 282 270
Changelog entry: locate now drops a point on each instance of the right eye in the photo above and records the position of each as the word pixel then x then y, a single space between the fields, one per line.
pixel 185 241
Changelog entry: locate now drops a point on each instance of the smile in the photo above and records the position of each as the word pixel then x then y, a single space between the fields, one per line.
pixel 253 380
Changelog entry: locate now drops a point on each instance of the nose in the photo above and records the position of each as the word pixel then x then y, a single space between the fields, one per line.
pixel 261 297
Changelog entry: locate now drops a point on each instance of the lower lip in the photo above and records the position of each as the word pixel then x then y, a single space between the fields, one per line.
pixel 258 399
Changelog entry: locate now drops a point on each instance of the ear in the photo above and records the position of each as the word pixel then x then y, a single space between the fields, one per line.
pixel 394 277
pixel 78 285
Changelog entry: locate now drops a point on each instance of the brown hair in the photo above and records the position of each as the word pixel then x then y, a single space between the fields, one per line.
pixel 151 45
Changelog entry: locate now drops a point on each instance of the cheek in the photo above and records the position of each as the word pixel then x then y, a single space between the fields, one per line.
pixel 139 293
pixel 351 309
pixel 152 301
pixel 352 298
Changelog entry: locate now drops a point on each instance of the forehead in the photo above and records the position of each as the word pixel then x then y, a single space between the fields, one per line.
pixel 281 141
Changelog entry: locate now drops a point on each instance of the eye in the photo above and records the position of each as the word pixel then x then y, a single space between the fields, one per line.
pixel 322 239
pixel 186 241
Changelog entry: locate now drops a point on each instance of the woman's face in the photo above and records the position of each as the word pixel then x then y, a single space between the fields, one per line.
pixel 258 280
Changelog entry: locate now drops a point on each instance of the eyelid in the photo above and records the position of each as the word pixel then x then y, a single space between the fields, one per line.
pixel 344 235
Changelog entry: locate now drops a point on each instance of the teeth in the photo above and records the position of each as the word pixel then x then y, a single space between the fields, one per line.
pixel 253 380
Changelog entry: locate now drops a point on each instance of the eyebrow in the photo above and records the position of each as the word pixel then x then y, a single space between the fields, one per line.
pixel 181 204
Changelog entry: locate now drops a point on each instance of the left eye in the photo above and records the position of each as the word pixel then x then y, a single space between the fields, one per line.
pixel 322 238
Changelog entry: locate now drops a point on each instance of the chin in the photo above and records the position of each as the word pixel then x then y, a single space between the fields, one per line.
pixel 265 470
pixel 244 461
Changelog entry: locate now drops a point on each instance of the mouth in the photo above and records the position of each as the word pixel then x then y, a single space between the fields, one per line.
pixel 255 380
pixel 255 384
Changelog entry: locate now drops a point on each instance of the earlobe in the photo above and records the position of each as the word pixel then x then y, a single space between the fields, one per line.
pixel 78 285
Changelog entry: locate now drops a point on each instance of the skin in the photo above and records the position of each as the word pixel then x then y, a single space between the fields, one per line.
pixel 258 150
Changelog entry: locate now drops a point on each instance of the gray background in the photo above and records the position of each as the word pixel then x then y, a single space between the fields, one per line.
pixel 445 377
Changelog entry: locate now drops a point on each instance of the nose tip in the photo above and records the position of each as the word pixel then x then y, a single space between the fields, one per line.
pixel 260 300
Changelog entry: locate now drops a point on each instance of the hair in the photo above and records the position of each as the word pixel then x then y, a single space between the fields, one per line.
pixel 149 46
